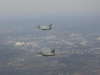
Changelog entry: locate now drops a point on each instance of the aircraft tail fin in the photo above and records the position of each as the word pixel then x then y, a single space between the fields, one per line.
pixel 53 51
pixel 50 25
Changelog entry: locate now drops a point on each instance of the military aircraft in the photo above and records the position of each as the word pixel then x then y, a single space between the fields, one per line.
pixel 45 27
pixel 52 53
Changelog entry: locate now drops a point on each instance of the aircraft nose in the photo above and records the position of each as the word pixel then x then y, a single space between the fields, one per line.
pixel 38 52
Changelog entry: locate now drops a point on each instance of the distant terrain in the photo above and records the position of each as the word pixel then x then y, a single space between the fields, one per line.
pixel 77 50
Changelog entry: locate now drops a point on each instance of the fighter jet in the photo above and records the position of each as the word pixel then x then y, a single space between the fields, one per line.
pixel 52 53
pixel 44 27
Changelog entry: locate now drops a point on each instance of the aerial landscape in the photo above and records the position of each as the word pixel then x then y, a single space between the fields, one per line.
pixel 42 37
pixel 77 53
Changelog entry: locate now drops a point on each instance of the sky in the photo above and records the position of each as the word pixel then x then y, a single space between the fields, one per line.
pixel 21 9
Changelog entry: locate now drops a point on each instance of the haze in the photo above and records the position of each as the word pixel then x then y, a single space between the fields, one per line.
pixel 49 11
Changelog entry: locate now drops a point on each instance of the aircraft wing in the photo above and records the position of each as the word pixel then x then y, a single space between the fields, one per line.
pixel 47 54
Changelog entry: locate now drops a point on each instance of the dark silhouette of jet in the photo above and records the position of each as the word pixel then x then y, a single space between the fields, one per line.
pixel 45 27
pixel 52 53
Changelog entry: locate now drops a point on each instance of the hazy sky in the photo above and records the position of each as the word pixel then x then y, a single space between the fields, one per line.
pixel 39 7
pixel 48 8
